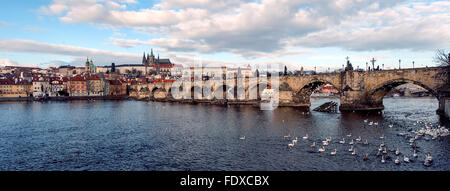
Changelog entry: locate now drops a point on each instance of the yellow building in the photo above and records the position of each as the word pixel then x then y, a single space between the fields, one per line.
pixel 94 84
pixel 10 89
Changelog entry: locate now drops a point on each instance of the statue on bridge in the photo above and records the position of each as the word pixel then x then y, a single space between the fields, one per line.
pixel 349 65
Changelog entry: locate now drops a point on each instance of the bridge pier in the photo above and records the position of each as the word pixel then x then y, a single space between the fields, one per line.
pixel 359 101
pixel 360 107
pixel 444 103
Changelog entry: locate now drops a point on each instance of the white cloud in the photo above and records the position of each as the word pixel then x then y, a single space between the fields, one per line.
pixel 54 9
pixel 173 44
pixel 79 54
pixel 7 62
pixel 215 5
pixel 100 57
pixel 281 27
pixel 415 28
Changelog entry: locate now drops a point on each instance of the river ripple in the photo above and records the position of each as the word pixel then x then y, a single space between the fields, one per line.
pixel 132 135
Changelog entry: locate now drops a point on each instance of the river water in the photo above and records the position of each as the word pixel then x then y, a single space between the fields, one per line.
pixel 134 135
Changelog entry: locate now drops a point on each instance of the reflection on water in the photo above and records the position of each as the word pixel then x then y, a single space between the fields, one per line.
pixel 131 135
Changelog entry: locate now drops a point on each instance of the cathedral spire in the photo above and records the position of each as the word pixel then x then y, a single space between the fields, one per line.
pixel 144 60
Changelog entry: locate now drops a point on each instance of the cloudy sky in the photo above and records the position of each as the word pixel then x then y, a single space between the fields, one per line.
pixel 308 33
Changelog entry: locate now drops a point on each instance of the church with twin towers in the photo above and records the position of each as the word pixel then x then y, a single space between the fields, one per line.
pixel 155 65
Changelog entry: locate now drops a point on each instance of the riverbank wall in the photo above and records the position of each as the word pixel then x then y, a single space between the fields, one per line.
pixel 64 98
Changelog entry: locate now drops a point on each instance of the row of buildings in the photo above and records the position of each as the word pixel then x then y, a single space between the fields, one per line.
pixel 91 80
pixel 42 85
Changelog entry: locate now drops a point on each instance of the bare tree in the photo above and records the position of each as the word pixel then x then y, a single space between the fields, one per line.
pixel 443 59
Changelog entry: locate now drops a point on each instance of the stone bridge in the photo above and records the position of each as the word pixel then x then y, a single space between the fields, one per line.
pixel 358 90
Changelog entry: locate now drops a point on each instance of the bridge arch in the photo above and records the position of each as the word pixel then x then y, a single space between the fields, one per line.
pixel 239 93
pixel 144 90
pixel 173 89
pixel 377 94
pixel 258 88
pixel 303 95
pixel 158 92
pixel 221 92
pixel 196 92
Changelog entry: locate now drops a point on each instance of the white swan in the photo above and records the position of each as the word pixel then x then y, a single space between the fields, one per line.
pixel 334 152
pixel 382 137
pixel 313 144
pixel 376 123
pixel 291 144
pixel 322 149
pixel 342 141
pixel 405 158
pixel 350 149
pixel 324 143
pixel 382 159
pixel 428 160
pixel 305 137
pixel 390 126
pixel 349 135
pixel 365 120
pixel 354 152
pixel 397 161
pixel 295 140
pixel 397 152
pixel 287 136
pixel 351 142
pixel 428 157
pixel 242 138
pixel 359 138
pixel 415 155
pixel 366 142
pixel 371 123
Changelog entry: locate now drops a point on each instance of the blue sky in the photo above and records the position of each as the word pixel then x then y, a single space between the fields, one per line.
pixel 318 33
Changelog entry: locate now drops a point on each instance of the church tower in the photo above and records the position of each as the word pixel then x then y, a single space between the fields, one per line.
pixel 86 69
pixel 92 68
pixel 145 63
pixel 144 60
pixel 151 59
